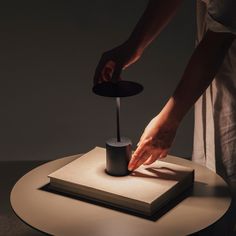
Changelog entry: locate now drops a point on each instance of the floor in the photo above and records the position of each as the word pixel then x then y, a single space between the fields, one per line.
pixel 10 224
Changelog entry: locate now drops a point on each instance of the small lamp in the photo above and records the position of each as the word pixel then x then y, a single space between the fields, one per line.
pixel 119 149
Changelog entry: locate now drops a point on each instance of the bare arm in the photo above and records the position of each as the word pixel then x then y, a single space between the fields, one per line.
pixel 154 19
pixel 156 16
pixel 199 73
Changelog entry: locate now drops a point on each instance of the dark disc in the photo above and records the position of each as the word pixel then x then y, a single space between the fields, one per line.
pixel 119 89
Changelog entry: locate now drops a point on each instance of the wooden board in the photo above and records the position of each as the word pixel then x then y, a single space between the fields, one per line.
pixel 143 191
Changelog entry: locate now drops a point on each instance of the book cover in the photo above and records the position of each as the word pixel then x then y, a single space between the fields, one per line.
pixel 144 191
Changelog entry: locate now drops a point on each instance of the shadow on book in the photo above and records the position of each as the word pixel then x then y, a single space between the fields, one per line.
pixel 168 206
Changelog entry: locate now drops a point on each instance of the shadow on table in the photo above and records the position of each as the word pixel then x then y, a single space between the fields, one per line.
pixel 204 190
pixel 171 204
pixel 163 173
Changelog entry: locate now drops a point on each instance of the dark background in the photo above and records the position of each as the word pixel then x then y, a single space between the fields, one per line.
pixel 48 53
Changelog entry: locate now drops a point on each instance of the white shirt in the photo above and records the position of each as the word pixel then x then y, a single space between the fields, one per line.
pixel 215 110
pixel 221 15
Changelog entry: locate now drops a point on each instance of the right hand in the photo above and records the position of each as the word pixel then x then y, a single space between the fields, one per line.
pixel 114 61
pixel 155 141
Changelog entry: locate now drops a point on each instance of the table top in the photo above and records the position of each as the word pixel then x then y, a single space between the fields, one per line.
pixel 62 215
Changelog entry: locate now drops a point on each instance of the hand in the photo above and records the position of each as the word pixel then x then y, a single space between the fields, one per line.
pixel 114 61
pixel 154 143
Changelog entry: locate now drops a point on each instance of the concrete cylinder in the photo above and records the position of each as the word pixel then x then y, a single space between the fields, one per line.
pixel 118 155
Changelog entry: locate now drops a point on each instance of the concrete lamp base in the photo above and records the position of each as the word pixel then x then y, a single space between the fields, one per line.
pixel 118 155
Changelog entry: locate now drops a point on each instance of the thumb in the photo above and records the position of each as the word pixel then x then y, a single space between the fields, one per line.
pixel 116 73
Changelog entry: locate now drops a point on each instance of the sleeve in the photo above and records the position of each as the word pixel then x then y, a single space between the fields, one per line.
pixel 221 16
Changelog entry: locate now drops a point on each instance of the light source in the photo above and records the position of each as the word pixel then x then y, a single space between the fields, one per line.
pixel 119 149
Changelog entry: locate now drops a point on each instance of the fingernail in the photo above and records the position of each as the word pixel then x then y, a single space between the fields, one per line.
pixel 130 168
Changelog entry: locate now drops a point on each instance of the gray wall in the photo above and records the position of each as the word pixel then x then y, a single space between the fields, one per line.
pixel 48 53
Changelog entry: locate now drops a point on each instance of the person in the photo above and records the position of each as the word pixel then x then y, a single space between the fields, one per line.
pixel 208 83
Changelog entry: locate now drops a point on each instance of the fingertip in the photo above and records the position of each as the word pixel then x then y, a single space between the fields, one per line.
pixel 130 167
pixel 146 162
pixel 132 164
pixel 163 154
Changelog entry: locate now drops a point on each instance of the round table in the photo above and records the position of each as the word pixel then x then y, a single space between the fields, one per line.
pixel 61 215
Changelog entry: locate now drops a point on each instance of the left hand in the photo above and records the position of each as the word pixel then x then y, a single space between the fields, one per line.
pixel 114 61
pixel 154 143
